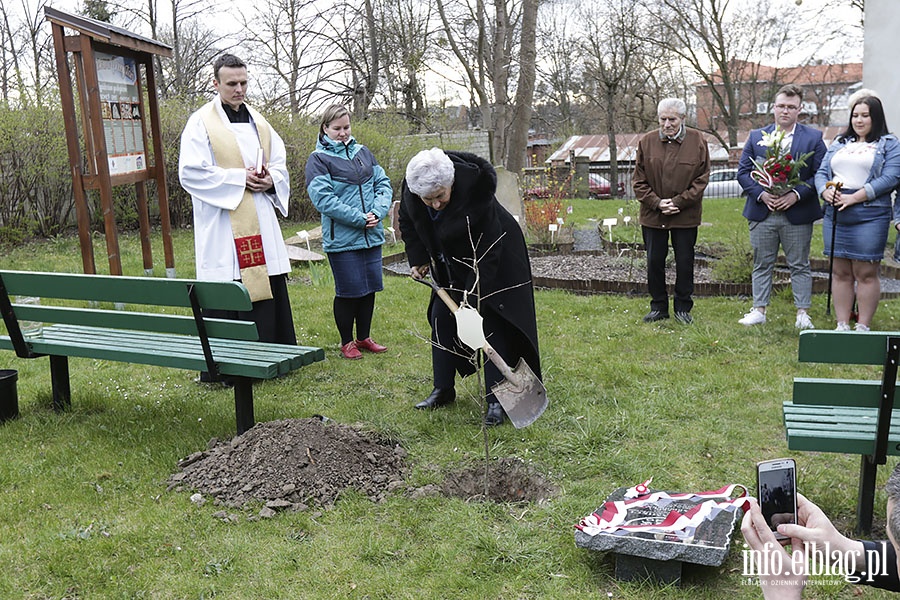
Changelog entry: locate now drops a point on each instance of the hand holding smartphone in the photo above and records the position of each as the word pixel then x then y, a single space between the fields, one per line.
pixel 776 483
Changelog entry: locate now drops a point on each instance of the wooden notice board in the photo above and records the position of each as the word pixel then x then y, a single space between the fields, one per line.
pixel 119 141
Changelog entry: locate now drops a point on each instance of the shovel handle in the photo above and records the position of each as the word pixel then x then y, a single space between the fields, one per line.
pixel 487 348
pixel 498 361
pixel 441 292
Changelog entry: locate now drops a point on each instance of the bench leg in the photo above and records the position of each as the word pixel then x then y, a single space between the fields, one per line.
pixel 865 505
pixel 243 403
pixel 59 379
pixel 9 397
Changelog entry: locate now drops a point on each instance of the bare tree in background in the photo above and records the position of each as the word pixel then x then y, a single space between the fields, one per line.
pixel 612 45
pixel 348 55
pixel 485 46
pixel 557 68
pixel 193 44
pixel 26 54
pixel 280 36
pixel 479 46
pixel 10 58
pixel 722 42
pixel 408 46
pixel 521 109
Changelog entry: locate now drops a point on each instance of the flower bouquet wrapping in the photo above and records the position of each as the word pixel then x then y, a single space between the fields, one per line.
pixel 780 171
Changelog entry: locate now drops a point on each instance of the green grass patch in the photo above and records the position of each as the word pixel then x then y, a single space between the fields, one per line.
pixel 84 510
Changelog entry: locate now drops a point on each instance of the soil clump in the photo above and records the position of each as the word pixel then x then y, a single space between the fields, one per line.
pixel 292 464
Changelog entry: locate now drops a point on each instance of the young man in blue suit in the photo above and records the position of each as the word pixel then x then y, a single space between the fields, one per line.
pixel 786 220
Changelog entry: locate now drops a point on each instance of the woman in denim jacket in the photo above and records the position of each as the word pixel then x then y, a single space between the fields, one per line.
pixel 865 161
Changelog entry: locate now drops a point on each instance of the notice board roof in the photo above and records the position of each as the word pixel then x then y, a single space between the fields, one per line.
pixel 106 32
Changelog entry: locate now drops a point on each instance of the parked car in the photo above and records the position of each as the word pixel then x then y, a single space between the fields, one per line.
pixel 723 183
pixel 600 187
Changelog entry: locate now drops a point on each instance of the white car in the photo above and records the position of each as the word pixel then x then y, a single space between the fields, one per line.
pixel 723 183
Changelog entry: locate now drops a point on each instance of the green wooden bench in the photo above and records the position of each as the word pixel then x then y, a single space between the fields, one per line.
pixel 849 416
pixel 77 325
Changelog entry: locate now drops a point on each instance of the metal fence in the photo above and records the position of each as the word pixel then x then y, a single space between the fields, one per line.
pixel 564 182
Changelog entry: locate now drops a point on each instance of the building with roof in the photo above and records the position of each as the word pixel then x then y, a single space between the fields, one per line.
pixel 826 88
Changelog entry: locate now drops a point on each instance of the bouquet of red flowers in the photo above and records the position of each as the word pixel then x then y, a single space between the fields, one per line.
pixel 780 171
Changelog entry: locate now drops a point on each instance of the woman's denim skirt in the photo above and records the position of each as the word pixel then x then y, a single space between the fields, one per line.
pixel 357 273
pixel 860 234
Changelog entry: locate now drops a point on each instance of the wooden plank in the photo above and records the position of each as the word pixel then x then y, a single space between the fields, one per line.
pixel 818 411
pixel 249 359
pixel 119 319
pixel 843 444
pixel 223 349
pixel 837 392
pixel 223 295
pixel 844 347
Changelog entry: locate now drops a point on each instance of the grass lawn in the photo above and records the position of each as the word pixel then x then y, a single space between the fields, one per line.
pixel 84 510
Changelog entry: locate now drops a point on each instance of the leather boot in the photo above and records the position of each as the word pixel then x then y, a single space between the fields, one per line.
pixel 438 398
pixel 495 415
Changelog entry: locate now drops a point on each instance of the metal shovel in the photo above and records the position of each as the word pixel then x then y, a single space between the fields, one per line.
pixel 522 395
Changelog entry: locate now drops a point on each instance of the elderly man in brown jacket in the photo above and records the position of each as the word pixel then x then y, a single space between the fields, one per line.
pixel 670 173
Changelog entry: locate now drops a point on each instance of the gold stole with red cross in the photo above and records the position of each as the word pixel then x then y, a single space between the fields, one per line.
pixel 244 220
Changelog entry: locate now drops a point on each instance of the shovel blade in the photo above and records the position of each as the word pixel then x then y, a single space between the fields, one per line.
pixel 522 396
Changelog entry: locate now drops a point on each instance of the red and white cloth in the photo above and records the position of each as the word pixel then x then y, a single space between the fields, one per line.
pixel 687 511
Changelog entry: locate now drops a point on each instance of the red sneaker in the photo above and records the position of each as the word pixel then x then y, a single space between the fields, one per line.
pixel 369 345
pixel 349 350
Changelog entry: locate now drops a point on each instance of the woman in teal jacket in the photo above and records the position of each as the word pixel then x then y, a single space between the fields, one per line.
pixel 352 192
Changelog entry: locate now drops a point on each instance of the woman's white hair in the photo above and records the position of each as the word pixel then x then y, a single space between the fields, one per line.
pixel 428 171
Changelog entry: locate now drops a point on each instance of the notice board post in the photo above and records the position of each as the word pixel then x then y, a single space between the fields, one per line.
pixel 110 65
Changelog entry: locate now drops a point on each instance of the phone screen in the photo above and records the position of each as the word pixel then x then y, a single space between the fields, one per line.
pixel 777 491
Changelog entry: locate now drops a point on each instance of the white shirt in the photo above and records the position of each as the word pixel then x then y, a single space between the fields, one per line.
pixel 216 191
pixel 852 164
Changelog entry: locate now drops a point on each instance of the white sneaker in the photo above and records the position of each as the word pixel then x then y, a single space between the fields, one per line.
pixel 803 321
pixel 841 326
pixel 861 327
pixel 754 317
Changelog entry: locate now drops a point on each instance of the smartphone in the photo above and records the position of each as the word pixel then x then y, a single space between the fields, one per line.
pixel 776 489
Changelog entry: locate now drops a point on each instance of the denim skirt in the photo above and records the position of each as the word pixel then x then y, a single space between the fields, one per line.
pixel 357 273
pixel 861 232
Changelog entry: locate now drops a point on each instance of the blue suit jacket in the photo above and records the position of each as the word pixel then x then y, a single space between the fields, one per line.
pixel 807 209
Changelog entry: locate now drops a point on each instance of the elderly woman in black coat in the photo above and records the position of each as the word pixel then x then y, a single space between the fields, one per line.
pixel 447 207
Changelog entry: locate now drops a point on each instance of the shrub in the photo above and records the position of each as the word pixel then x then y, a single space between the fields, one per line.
pixel 735 263
pixel 539 214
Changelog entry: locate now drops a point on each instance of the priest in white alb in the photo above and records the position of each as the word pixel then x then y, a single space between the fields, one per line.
pixel 233 165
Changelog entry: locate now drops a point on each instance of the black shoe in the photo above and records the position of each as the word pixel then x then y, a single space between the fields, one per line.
pixel 495 415
pixel 655 315
pixel 438 398
pixel 684 317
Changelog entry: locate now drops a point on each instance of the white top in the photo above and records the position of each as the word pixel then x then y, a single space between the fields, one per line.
pixel 216 191
pixel 852 164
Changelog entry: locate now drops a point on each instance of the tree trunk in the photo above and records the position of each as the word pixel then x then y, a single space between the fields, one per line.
pixel 521 120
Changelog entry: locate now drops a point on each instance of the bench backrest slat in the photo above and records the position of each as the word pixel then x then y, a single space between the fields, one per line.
pixel 119 319
pixel 843 347
pixel 220 295
pixel 837 392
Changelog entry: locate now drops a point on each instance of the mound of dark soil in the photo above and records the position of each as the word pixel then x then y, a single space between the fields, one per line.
pixel 291 464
